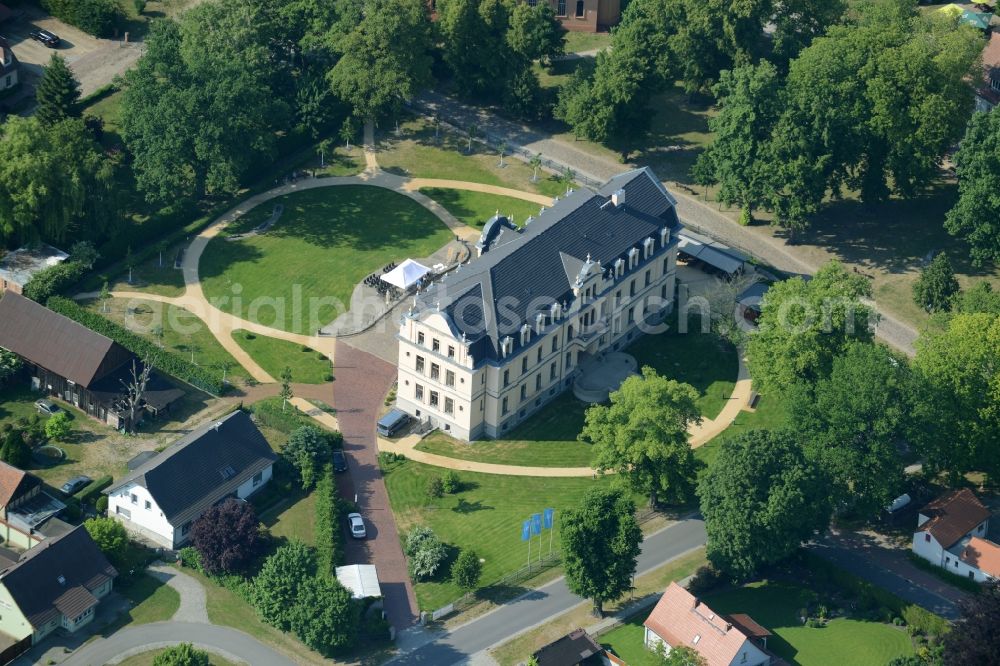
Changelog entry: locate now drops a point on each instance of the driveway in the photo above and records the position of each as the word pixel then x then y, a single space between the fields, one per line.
pixel 890 569
pixel 358 393
pixel 95 62
pixel 541 605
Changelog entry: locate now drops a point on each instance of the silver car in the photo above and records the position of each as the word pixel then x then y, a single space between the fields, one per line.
pixel 357 524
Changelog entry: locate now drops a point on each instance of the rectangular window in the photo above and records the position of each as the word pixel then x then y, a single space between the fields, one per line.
pixel 148 505
pixel 995 84
pixel 538 382
pixel 666 266
pixel 524 365
pixel 185 528
pixel 451 351
pixel 618 298
pixel 506 377
pixel 649 277
pixel 135 500
pixel 579 8
pixel 569 359
pixel 631 288
pixel 539 355
pixel 434 399
pixel 631 315
pixel 561 8
pixel 123 512
pixel 435 371
pixel 927 537
pixel 420 338
pixel 418 392
pixel 524 391
pixel 552 371
pixel 449 378
pixel 258 478
pixel 420 364
pixel 449 406
pixel 503 406
pixel 555 345
pixel 436 345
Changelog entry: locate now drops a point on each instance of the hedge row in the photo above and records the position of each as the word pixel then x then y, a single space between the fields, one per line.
pixel 329 539
pixel 98 17
pixel 161 359
pixel 53 280
pixel 92 489
pixel 268 413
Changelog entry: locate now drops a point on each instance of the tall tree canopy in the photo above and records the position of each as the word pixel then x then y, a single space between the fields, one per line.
pixel 384 58
pixel 55 182
pixel 227 537
pixel 58 92
pixel 600 543
pixel 214 64
pixel 956 405
pixel 642 435
pixel 974 639
pixel 937 286
pixel 762 503
pixel 976 215
pixel 805 325
pixel 850 422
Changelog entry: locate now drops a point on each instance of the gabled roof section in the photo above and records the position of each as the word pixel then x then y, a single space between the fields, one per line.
pixel 204 466
pixel 14 482
pixel 538 266
pixel 58 577
pixel 983 555
pixel 680 618
pixel 57 343
pixel 953 515
pixel 573 648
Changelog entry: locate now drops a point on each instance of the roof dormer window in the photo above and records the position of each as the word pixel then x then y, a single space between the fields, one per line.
pixel 539 322
pixel 648 247
pixel 525 334
pixel 556 311
pixel 619 267
pixel 664 236
pixel 633 257
pixel 507 346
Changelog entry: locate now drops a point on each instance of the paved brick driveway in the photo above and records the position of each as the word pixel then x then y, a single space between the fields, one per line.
pixel 361 385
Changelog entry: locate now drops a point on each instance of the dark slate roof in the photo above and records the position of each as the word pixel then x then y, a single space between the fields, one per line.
pixel 572 649
pixel 57 577
pixel 57 343
pixel 206 465
pixel 494 295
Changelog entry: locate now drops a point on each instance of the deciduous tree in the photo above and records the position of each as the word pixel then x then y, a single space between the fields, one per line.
pixel 308 448
pixel 275 591
pixel 979 298
pixel 976 215
pixel 326 617
pixel 936 286
pixel 600 543
pixel 58 427
pixel 466 570
pixel 10 365
pixel 642 436
pixel 110 536
pixel 762 503
pixel 974 639
pixel 227 537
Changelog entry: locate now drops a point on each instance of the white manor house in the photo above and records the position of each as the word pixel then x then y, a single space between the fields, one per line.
pixel 497 338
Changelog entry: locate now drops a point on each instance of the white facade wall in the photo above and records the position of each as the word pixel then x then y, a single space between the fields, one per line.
pixel 149 522
pixel 960 568
pixel 748 655
pixel 249 487
pixel 490 398
pixel 927 547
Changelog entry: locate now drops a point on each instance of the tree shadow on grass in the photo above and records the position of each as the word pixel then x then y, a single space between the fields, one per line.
pixel 465 507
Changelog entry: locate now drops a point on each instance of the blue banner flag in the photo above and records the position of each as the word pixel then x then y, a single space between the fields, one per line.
pixel 536 523
pixel 547 517
pixel 526 530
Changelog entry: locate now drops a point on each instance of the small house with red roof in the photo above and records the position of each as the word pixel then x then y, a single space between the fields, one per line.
pixel 988 94
pixel 951 533
pixel 680 618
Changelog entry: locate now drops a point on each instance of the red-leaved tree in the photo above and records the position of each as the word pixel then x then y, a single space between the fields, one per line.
pixel 227 537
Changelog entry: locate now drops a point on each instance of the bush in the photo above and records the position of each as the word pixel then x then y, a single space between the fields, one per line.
pixel 53 280
pixel 247 335
pixel 90 490
pixel 435 487
pixel 426 561
pixel 746 218
pixel 416 537
pixel 101 504
pixel 172 364
pixel 451 483
pixel 268 413
pixel 189 557
pixel 100 18
pixel 467 570
pixel 329 538
pixel 58 427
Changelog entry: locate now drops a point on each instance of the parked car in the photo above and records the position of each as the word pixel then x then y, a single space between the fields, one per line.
pixel 339 461
pixel 394 421
pixel 357 524
pixel 45 37
pixel 75 484
pixel 47 407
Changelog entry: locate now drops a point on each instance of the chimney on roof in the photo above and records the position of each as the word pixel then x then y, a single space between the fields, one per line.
pixel 618 198
pixel 218 425
pixel 729 625
pixel 62 580
pixel 697 602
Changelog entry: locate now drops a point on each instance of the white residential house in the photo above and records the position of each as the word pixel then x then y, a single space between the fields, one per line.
pixel 496 339
pixel 161 498
pixel 680 618
pixel 951 533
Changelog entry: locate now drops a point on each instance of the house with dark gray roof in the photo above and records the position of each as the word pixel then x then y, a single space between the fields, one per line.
pixel 162 497
pixel 57 584
pixel 66 359
pixel 497 338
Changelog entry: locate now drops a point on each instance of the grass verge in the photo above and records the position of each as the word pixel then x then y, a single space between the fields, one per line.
pixel 475 208
pixel 308 366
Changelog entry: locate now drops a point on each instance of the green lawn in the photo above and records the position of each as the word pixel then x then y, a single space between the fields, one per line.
pixel 294 519
pixel 547 439
pixel 153 277
pixel 586 41
pixel 171 327
pixel 416 152
pixel 627 642
pixel 154 601
pixel 325 243
pixel 771 413
pixel 474 208
pixel 485 517
pixel 308 366
pixel 696 358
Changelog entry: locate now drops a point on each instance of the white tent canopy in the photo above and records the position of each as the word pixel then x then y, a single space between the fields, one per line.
pixel 406 274
pixel 360 579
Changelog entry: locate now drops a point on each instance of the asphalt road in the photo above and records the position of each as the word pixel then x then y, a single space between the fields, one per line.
pixel 230 642
pixel 544 603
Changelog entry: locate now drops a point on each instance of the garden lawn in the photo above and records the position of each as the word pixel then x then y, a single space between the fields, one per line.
pixel 415 152
pixel 842 642
pixel 547 439
pixel 293 520
pixel 153 601
pixel 486 517
pixel 153 278
pixel 171 327
pixel 771 414
pixel 577 42
pixel 475 208
pixel 308 366
pixel 325 243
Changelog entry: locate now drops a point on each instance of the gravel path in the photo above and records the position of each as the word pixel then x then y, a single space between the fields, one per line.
pixel 193 606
